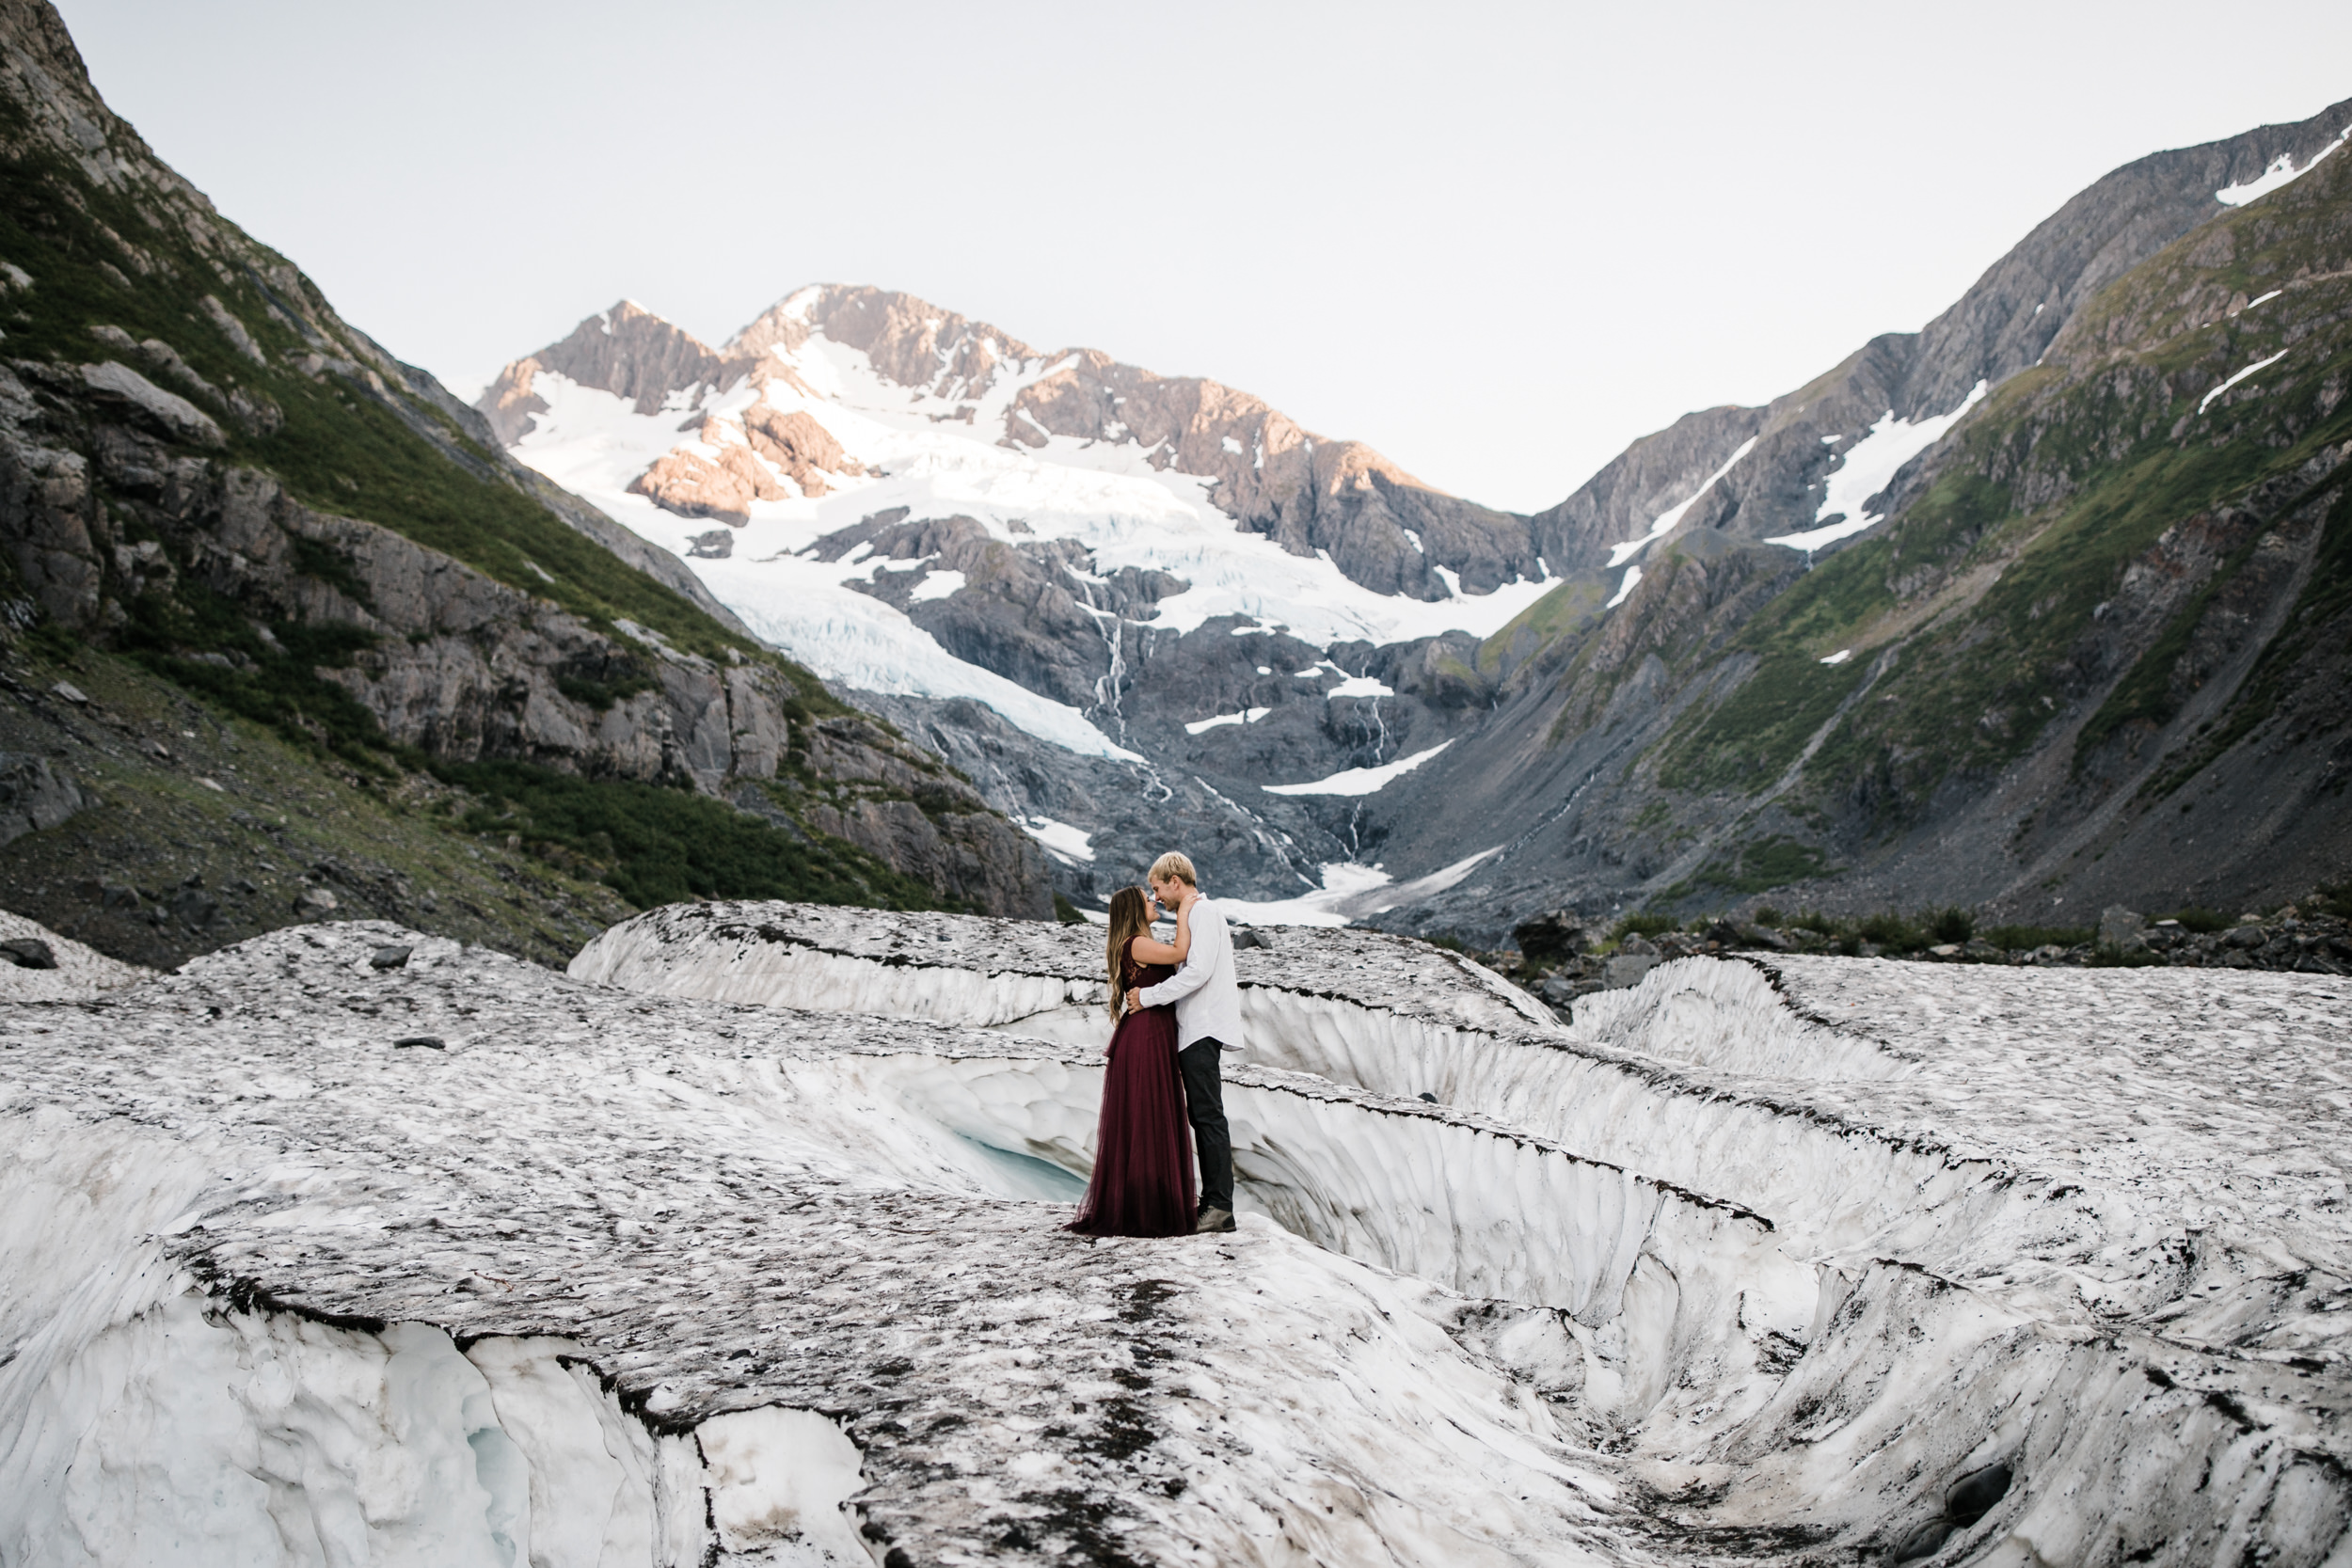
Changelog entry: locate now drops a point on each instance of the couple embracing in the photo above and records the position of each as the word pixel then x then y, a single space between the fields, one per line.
pixel 1175 1007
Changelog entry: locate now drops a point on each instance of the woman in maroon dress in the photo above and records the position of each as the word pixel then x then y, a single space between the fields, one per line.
pixel 1142 1183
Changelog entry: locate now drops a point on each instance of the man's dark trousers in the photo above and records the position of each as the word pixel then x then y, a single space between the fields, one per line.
pixel 1204 1102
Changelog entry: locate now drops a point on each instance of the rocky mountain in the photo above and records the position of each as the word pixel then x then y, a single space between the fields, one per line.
pixel 2087 644
pixel 1119 602
pixel 1139 610
pixel 1797 464
pixel 255 569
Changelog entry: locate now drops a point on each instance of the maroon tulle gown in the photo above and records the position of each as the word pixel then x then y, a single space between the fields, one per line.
pixel 1142 1183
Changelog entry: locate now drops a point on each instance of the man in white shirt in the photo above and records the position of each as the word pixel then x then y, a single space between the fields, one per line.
pixel 1208 1023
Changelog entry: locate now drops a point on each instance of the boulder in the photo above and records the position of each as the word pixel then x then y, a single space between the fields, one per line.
pixel 173 413
pixel 194 907
pixel 33 796
pixel 2123 928
pixel 1550 937
pixel 1627 968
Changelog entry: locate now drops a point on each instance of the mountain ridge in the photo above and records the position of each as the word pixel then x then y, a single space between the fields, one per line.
pixel 1307 491
pixel 1538 640
pixel 2000 325
pixel 2149 563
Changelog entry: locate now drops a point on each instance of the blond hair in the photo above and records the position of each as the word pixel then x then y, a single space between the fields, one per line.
pixel 1174 867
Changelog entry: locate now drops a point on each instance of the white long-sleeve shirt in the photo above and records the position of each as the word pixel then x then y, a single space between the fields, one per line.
pixel 1206 993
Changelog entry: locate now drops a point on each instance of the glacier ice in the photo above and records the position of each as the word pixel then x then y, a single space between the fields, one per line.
pixel 2021 1182
pixel 740 1245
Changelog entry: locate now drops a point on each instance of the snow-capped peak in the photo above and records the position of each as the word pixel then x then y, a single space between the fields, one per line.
pixel 840 403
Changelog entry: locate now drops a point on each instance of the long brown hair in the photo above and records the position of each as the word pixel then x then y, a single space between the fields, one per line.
pixel 1131 917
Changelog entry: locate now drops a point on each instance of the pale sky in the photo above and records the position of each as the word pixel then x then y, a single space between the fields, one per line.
pixel 1495 242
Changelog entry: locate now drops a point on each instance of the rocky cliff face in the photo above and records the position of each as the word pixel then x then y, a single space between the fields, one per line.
pixel 204 470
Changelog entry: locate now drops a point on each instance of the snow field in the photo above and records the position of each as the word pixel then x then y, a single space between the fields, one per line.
pixel 1870 466
pixel 1665 522
pixel 1061 839
pixel 2280 172
pixel 2206 401
pixel 1347 888
pixel 1359 781
pixel 82 973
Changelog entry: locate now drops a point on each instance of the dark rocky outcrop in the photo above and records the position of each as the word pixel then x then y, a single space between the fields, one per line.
pixel 464 668
pixel 33 796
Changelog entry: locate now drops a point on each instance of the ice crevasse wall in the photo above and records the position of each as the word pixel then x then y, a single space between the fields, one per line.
pixel 1824 1234
pixel 149 1416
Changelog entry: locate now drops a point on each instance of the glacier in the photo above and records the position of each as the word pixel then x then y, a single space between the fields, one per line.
pixel 740 1245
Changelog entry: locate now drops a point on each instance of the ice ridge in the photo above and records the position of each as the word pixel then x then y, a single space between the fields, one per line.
pixel 770 1191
